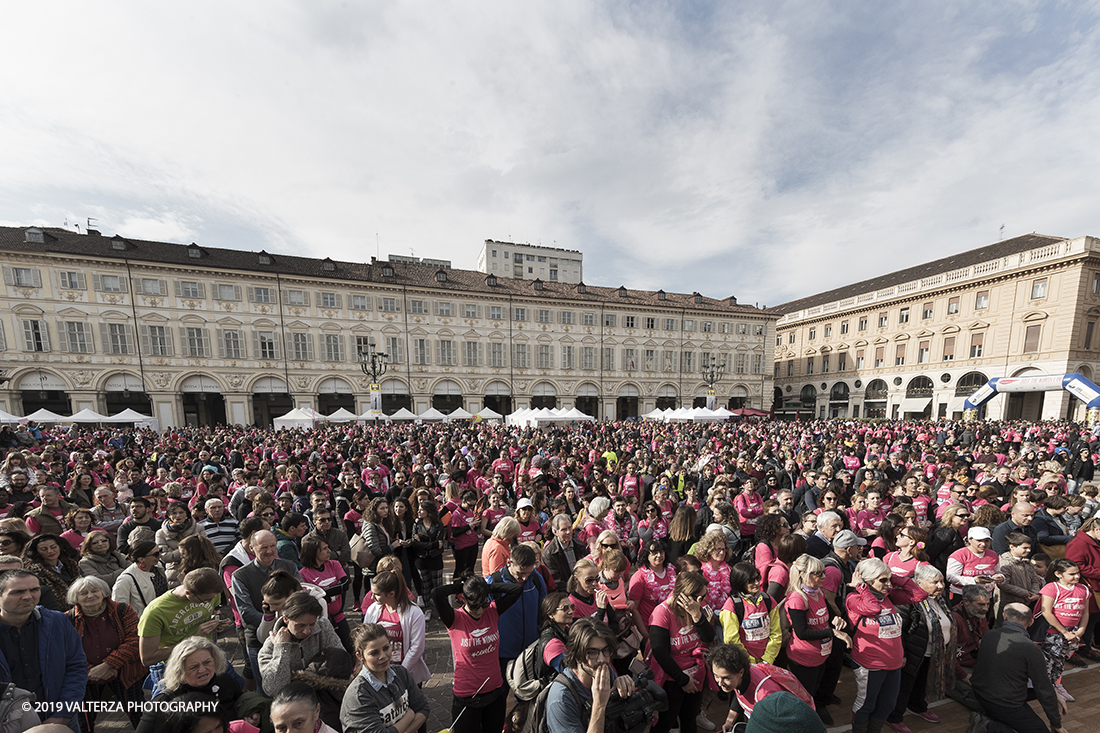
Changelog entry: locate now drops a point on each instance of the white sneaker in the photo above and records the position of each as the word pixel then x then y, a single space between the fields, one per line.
pixel 703 722
pixel 1062 693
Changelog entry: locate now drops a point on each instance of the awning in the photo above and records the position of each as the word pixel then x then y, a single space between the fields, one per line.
pixel 915 404
pixel 955 405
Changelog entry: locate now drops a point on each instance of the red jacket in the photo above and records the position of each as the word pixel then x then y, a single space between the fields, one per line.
pixel 125 658
pixel 1085 551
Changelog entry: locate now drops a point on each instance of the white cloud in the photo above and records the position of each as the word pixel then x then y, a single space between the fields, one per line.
pixel 767 154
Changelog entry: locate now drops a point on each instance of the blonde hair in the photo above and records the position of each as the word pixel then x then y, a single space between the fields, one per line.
pixel 711 541
pixel 507 529
pixel 173 668
pixel 800 568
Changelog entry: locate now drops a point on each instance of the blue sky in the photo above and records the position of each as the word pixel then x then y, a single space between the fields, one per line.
pixel 767 151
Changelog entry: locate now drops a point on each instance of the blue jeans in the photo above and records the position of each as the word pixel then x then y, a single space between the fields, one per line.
pixel 254 661
pixel 156 674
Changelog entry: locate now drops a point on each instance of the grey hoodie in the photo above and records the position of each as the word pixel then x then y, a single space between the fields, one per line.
pixel 280 660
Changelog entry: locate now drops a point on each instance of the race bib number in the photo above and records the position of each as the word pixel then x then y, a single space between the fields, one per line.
pixel 888 627
pixel 756 627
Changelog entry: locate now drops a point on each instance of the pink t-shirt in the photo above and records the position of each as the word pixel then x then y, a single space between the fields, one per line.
pixel 475 645
pixel 718 584
pixel 869 521
pixel 974 565
pixel 684 640
pixel 1069 603
pixel 494 515
pixel 809 653
pixel 902 567
pixel 461 517
pixel 581 608
pixel 391 622
pixel 528 532
pixel 328 576
pixel 761 684
pixel 628 485
pixel 762 556
pixel 649 590
pixel 877 640
pixel 749 507
pixel 505 468
pixel 920 503
pixel 778 572
pixel 755 626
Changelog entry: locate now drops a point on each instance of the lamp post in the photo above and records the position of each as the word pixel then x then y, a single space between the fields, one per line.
pixel 712 373
pixel 373 364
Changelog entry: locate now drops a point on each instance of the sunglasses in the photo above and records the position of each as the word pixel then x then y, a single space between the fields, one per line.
pixel 605 544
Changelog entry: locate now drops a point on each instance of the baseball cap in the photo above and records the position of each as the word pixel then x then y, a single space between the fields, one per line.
pixel 848 538
pixel 524 503
pixel 978 533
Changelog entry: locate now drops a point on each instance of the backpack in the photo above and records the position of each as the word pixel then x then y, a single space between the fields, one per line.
pixel 784 622
pixel 530 716
pixel 787 681
pixel 528 674
pixel 16 709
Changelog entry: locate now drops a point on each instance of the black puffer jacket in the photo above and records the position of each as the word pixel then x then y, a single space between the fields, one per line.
pixel 914 634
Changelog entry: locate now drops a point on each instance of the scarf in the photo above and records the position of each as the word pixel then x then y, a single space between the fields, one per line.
pixel 941 665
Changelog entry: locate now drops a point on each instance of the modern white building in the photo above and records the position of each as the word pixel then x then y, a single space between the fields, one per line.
pixel 531 262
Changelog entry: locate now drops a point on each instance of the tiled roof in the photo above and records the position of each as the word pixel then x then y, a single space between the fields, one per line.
pixel 65 242
pixel 987 253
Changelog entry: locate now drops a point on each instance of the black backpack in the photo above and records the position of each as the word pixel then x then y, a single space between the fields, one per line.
pixel 530 716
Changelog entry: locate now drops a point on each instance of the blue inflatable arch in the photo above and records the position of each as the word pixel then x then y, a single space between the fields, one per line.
pixel 1077 385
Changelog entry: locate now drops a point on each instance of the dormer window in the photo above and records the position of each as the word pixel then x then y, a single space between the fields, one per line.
pixel 387 271
pixel 491 280
pixel 733 300
pixel 698 298
pixel 34 236
pixel 660 295
pixel 265 258
pixel 328 265
pixel 582 288
pixel 194 252
pixel 622 291
pixel 118 244
pixel 441 276
pixel 538 284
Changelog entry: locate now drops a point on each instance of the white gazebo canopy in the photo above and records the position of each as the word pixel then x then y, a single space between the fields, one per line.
pixel 296 418
pixel 8 417
pixel 342 415
pixel 89 416
pixel 431 414
pixel 139 420
pixel 458 414
pixel 45 415
pixel 403 414
pixel 488 413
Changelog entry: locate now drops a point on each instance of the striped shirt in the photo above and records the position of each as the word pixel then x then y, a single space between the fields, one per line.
pixel 223 534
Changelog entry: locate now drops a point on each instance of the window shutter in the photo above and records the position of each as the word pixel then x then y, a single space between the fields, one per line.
pixel 105 338
pixel 62 338
pixel 278 345
pixel 130 344
pixel 135 285
pixel 3 341
pixel 177 288
pixel 340 352
pixel 251 296
pixel 9 276
pixel 381 305
pixel 282 294
pixel 236 292
pixel 220 335
pixel 309 343
pixel 183 342
pixel 305 298
pixel 163 285
pixel 146 347
pixel 36 277
pixel 206 350
pixel 45 334
pixel 256 342
pixel 339 303
pixel 97 281
pixel 81 281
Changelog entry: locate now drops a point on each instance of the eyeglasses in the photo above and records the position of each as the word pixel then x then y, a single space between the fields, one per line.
pixel 567 607
pixel 883 579
pixel 476 606
pixel 612 544
pixel 963 516
pixel 590 579
pixel 594 655
pixel 817 573
pixel 267 514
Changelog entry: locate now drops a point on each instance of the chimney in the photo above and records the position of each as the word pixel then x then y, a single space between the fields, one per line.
pixel 92 232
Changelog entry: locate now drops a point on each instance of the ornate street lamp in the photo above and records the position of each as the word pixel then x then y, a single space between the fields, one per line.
pixel 712 373
pixel 373 364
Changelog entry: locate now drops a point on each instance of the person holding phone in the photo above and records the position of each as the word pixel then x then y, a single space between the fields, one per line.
pixel 679 632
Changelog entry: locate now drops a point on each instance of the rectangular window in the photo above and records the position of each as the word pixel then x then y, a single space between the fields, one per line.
pixel 863 323
pixel 758 329
pixel 843 327
pixel 263 295
pixel 981 300
pixel 650 323
pixel 758 364
pixel 150 286
pixel 545 316
pixel 742 329
pixel 828 331
pixel 421 352
pixel 1031 339
pixel 588 319
pixel 119 340
pixel 110 283
pixel 1096 284
pixel 553 273
pixel 809 365
pixel 521 356
pixel 725 327
pixel 1039 289
pixel 740 363
pixel 267 348
pixel 189 289
pixel 231 344
pixel 507 255
pixel 689 324
pixel 566 357
pixel 899 355
pixel 953 305
pixel 229 292
pixel 608 359
pixel 25 277
pixel 530 258
pixel 389 305
pixel 302 346
pixel 77 337
pixel 609 320
pixel 566 317
pixel 469 310
pixel 649 360
pixel 496 312
pixel 880 357
pixel 158 341
pixel 359 302
pixel 629 321
pixel 396 350
pixel 496 354
pixel 903 315
pixel 841 362
pixel 790 367
pixel 687 361
pixel 328 300
pixel 859 358
pixel 949 348
pixel 883 319
pixel 777 371
pixel 670 324
pixel 72 280
pixel 445 309
pixel 363 346
pixel 926 311
pixel 976 345
pixel 446 352
pixel 334 347
pixel 1089 327
pixel 195 343
pixel 790 337
pixel 708 326
pixel 630 360
pixel 812 334
pixel 588 357
pixel 472 353
pixel 545 356
pixel 668 361
pixel 519 314
pixel 297 297
pixel 824 363
pixel 416 307
pixel 923 352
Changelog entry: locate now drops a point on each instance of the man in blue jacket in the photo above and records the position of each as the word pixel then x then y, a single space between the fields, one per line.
pixel 40 650
pixel 519 625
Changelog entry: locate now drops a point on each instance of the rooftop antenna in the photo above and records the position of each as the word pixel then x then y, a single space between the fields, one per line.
pixel 1002 231
pixel 90 220
pixel 377 247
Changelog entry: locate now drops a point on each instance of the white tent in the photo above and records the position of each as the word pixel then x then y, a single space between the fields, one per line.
pixel 519 417
pixel 576 415
pixel 430 414
pixel 403 414
pixel 458 414
pixel 657 414
pixel 8 417
pixel 139 420
pixel 296 418
pixel 342 415
pixel 722 413
pixel 45 415
pixel 702 414
pixel 89 416
pixel 488 413
pixel 369 416
pixel 682 414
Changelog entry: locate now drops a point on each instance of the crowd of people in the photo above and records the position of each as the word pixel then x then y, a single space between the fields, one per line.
pixel 733 561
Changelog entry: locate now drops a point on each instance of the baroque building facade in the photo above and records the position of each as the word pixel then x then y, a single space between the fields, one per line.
pixel 916 342
pixel 199 335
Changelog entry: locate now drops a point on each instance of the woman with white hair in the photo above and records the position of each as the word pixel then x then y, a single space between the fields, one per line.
pixel 878 654
pixel 593 524
pixel 930 636
pixel 109 633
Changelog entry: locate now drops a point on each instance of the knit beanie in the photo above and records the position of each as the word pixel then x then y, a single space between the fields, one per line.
pixel 782 712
